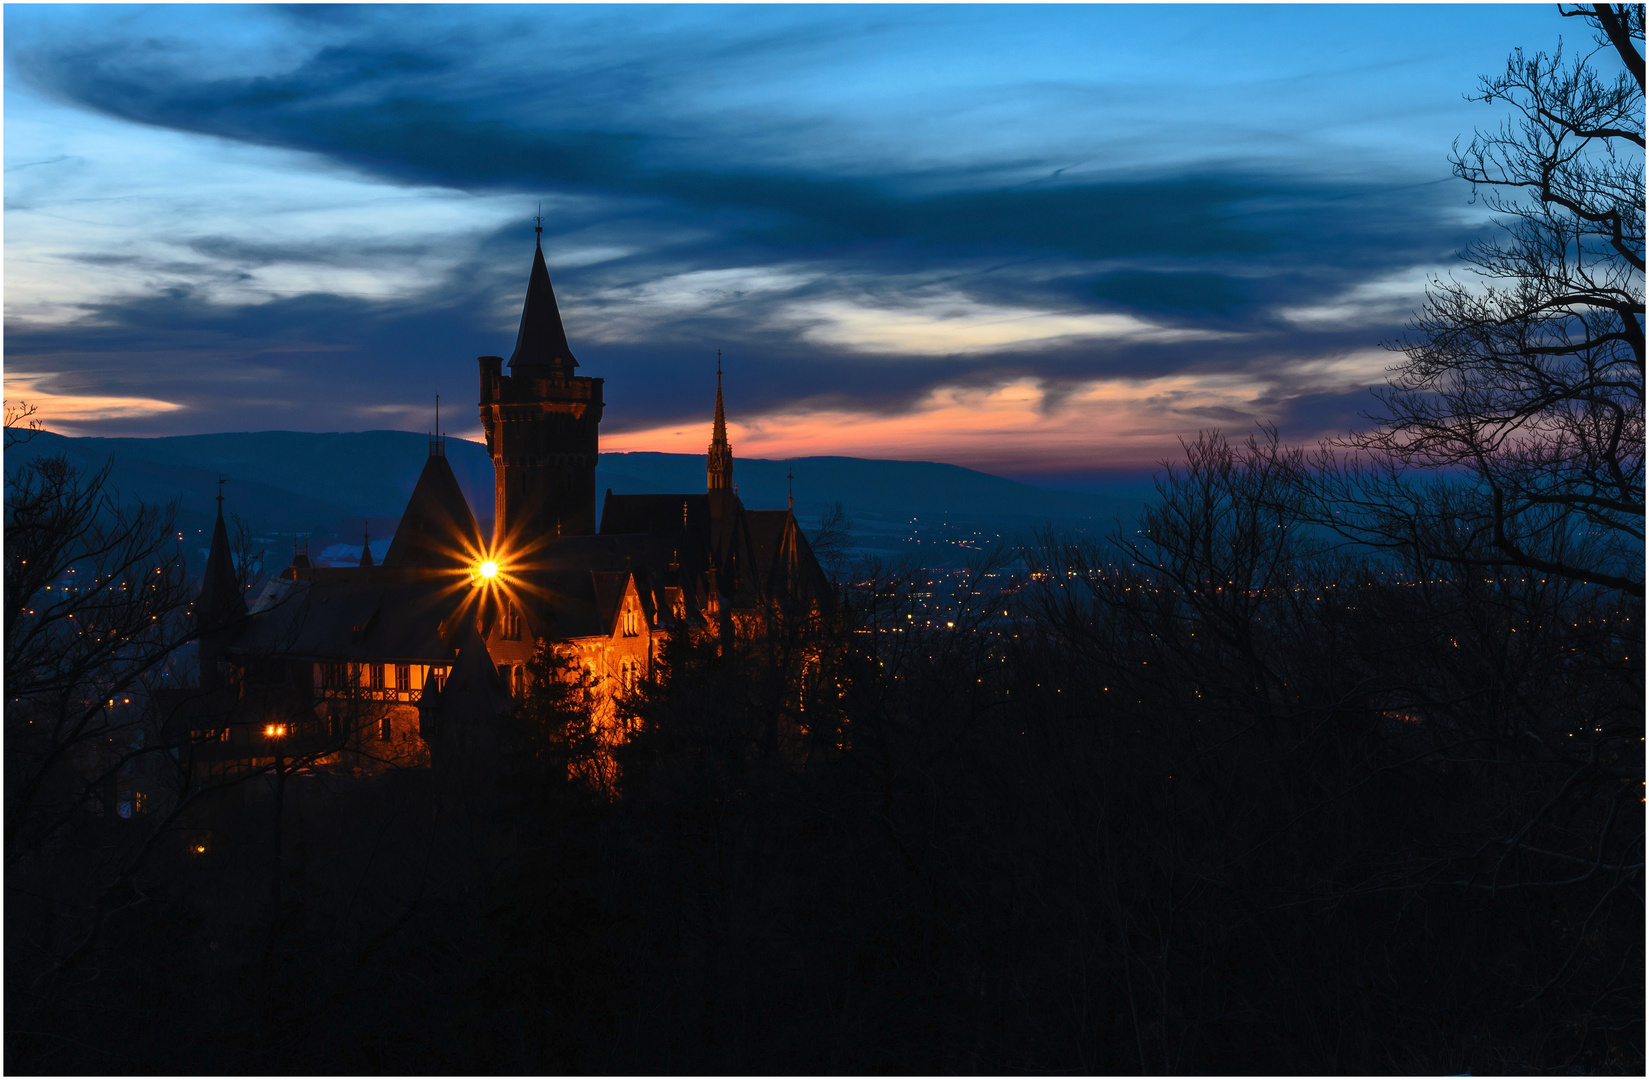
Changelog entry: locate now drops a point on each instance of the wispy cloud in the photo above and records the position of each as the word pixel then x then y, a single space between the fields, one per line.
pixel 279 217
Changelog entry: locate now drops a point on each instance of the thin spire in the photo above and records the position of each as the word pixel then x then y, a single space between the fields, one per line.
pixel 720 464
pixel 366 543
pixel 790 482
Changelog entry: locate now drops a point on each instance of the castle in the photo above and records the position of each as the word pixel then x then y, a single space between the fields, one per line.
pixel 382 661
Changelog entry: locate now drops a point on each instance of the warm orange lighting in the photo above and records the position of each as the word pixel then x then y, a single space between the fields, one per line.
pixel 489 569
pixel 200 849
pixel 274 731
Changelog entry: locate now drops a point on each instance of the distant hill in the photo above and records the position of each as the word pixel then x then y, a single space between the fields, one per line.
pixel 283 482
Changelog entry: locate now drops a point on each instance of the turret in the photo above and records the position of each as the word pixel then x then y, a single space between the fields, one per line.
pixel 220 606
pixel 719 460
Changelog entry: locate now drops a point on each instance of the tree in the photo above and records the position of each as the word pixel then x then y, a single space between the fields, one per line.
pixel 95 600
pixel 1527 376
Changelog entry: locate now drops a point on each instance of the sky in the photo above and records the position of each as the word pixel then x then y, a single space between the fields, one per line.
pixel 1047 242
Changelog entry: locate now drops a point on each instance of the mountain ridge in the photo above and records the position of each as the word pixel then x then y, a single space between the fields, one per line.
pixel 324 483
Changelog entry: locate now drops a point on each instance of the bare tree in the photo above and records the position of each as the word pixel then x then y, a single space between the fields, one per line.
pixel 95 597
pixel 20 423
pixel 1527 375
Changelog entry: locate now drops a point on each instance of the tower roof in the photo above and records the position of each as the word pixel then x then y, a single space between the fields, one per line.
pixel 220 600
pixel 438 529
pixel 541 342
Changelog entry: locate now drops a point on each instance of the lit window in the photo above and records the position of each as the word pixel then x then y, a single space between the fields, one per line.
pixel 375 676
pixel 403 678
pixel 383 728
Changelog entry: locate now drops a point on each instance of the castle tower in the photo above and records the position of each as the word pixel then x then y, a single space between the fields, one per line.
pixel 719 465
pixel 542 426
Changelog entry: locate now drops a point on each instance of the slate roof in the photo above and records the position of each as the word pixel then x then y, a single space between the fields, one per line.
pixel 438 529
pixel 473 691
pixel 220 601
pixel 755 554
pixel 541 341
pixel 416 620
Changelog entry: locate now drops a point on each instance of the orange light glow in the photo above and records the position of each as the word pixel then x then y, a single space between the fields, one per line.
pixel 489 569
pixel 274 731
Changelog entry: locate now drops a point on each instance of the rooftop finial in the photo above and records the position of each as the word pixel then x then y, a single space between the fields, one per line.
pixel 221 481
pixel 436 447
pixel 538 222
pixel 790 481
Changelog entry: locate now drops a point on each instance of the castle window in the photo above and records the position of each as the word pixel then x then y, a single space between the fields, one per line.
pixel 383 728
pixel 403 678
pixel 630 622
pixel 436 679
pixel 375 676
pixel 512 624
pixel 332 676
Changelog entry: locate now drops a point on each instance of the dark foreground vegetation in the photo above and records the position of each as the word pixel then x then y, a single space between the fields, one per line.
pixel 1240 803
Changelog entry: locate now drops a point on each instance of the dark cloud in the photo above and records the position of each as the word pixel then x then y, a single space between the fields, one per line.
pixel 1218 248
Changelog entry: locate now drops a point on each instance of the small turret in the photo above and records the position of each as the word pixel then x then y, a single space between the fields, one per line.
pixel 721 453
pixel 366 545
pixel 221 605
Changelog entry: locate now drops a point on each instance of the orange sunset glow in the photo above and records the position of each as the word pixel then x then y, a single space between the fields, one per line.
pixel 1125 422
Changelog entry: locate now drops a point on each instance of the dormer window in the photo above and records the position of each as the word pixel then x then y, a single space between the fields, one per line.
pixel 631 623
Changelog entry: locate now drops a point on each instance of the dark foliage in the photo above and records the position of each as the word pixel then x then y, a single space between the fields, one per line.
pixel 1237 801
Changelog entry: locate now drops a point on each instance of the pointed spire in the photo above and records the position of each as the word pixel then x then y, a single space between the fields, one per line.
pixel 220 599
pixel 721 454
pixel 366 545
pixel 790 482
pixel 541 342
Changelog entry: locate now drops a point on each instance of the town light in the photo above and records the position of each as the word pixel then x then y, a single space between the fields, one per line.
pixel 489 569
pixel 274 731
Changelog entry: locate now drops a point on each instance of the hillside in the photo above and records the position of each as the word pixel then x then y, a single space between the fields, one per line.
pixel 327 484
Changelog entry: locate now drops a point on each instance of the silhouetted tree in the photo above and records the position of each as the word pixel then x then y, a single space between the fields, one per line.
pixel 1526 378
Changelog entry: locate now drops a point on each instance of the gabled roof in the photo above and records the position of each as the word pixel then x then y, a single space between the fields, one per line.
pixel 622 514
pixel 541 342
pixel 438 529
pixel 409 621
pixel 473 691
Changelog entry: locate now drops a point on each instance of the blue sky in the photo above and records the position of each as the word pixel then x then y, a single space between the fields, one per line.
pixel 1042 241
